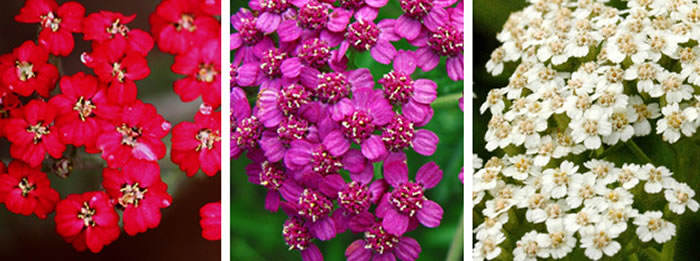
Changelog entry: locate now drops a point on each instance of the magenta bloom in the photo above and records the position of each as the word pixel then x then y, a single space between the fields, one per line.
pixel 314 208
pixel 446 40
pixel 364 9
pixel 290 99
pixel 246 128
pixel 400 134
pixel 275 68
pixel 421 14
pixel 407 200
pixel 298 237
pixel 273 177
pixel 331 87
pixel 415 96
pixel 315 18
pixel 354 200
pixel 271 12
pixel 360 117
pixel 365 35
pixel 248 42
pixel 378 244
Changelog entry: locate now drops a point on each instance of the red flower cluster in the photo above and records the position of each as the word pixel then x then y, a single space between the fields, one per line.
pixel 189 30
pixel 99 112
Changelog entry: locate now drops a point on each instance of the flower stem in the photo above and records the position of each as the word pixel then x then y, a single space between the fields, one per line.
pixel 447 100
pixel 638 151
pixel 456 251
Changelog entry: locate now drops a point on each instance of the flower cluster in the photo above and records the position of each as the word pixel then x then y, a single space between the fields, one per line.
pixel 320 130
pixel 96 113
pixel 588 76
pixel 189 30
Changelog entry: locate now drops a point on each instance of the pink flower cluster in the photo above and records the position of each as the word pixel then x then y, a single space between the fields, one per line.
pixel 319 126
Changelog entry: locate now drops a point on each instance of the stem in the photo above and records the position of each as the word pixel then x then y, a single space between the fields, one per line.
pixel 450 99
pixel 637 151
pixel 456 250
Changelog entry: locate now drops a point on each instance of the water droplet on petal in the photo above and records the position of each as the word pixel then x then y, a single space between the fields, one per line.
pixel 205 109
pixel 86 58
pixel 165 126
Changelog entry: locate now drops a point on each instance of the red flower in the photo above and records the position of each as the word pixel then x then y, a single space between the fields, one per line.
pixel 33 134
pixel 139 190
pixel 57 23
pixel 29 71
pixel 82 108
pixel 211 221
pixel 109 28
pixel 8 103
pixel 202 66
pixel 178 24
pixel 26 190
pixel 211 7
pixel 198 144
pixel 118 68
pixel 136 133
pixel 87 220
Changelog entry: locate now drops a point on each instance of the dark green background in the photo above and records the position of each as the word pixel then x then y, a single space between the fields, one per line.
pixel 256 233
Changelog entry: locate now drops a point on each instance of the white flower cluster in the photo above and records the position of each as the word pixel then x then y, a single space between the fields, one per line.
pixel 590 74
pixel 595 204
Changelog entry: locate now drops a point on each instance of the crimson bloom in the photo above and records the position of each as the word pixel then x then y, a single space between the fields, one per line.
pixel 29 71
pixel 82 107
pixel 33 133
pixel 88 221
pixel 198 144
pixel 378 244
pixel 179 24
pixel 135 133
pixel 109 29
pixel 202 65
pixel 407 200
pixel 139 190
pixel 118 68
pixel 210 220
pixel 26 190
pixel 57 23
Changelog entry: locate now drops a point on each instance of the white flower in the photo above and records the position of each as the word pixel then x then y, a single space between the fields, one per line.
pixel 599 239
pixel 585 217
pixel 601 169
pixel 671 85
pixel 555 180
pixel 645 111
pixel 656 178
pixel 676 121
pixel 651 225
pixel 680 196
pixel 581 187
pixel 645 74
pixel 495 64
pixel 627 175
pixel 494 102
pixel 477 162
pixel 531 246
pixel 527 130
pixel 487 248
pixel 618 217
pixel 627 44
pixel 498 134
pixel 521 167
pixel 622 129
pixel 566 145
pixel 535 203
pixel 543 151
pixel 562 241
pixel 590 127
pixel 491 226
pixel 486 178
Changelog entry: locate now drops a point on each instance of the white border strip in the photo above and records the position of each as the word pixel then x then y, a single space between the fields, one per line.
pixel 468 126
pixel 225 130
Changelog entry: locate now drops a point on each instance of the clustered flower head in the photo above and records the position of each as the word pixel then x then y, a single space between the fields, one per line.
pixel 101 114
pixel 588 76
pixel 319 126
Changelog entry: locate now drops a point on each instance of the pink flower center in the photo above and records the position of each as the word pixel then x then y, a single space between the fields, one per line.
pixel 84 108
pixel 332 87
pixel 131 195
pixel 358 126
pixel 447 41
pixel 86 214
pixel 313 205
pixel 292 128
pixel 398 87
pixel 362 35
pixel 271 62
pixel 25 186
pixel 38 130
pixel 313 15
pixel 186 22
pixel 50 21
pixel 246 134
pixel 130 135
pixel 117 28
pixel 351 4
pixel 296 235
pixel 398 133
pixel 416 8
pixel 207 138
pixel 271 176
pixel 292 97
pixel 315 52
pixel 379 240
pixel 323 163
pixel 274 6
pixel 207 73
pixel 25 70
pixel 249 34
pixel 408 198
pixel 355 198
